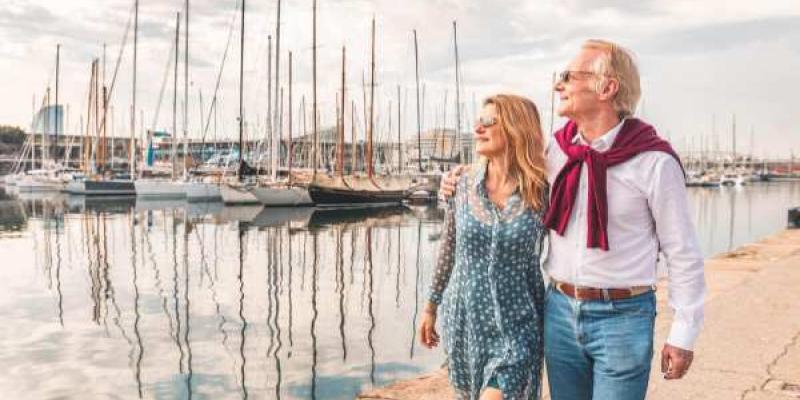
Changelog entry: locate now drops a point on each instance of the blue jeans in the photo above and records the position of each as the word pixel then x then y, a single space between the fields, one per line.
pixel 598 350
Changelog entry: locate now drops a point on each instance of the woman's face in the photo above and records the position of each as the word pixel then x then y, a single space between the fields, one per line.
pixel 489 141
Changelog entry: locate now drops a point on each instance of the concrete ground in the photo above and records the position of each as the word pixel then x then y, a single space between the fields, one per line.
pixel 750 345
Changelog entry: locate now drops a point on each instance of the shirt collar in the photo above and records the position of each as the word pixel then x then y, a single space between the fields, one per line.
pixel 603 142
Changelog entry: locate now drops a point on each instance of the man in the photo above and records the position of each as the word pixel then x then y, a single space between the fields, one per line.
pixel 617 199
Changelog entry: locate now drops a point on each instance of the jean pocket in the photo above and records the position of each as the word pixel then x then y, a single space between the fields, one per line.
pixel 644 304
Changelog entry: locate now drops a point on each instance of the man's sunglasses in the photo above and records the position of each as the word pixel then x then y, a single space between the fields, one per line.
pixel 566 76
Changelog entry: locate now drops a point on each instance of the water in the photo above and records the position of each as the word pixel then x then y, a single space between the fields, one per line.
pixel 163 300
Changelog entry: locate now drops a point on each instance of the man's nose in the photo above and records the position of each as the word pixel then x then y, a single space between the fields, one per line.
pixel 558 86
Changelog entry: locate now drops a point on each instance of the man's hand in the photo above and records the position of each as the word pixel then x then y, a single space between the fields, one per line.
pixel 675 362
pixel 447 187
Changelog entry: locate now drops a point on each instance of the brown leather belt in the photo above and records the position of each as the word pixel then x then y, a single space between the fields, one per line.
pixel 590 293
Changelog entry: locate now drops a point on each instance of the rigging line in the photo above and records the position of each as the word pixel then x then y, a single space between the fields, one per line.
pixel 213 104
pixel 116 67
pixel 163 85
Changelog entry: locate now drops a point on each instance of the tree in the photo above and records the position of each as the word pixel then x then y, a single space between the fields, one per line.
pixel 11 135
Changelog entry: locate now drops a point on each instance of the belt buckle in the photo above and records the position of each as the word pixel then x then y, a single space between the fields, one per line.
pixel 606 294
pixel 578 291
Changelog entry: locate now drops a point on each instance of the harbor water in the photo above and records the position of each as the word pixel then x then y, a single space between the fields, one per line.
pixel 124 298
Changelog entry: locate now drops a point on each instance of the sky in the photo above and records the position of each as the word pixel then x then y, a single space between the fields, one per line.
pixel 703 64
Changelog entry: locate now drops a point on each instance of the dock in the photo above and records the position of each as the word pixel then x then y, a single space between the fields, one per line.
pixel 749 348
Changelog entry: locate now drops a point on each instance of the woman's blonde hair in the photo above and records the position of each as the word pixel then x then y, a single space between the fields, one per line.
pixel 617 62
pixel 518 121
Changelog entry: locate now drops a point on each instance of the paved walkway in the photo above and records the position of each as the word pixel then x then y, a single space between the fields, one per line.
pixel 749 348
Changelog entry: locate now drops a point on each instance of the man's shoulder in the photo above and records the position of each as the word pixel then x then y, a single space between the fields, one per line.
pixel 654 158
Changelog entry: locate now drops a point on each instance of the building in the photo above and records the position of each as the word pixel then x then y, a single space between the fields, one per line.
pixel 439 150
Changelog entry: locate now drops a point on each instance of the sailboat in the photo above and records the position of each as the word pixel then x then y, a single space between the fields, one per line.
pixel 106 183
pixel 357 191
pixel 161 188
pixel 237 192
pixel 272 192
pixel 51 176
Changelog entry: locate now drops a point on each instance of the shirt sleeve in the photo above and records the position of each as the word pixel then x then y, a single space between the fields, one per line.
pixel 678 242
pixel 447 248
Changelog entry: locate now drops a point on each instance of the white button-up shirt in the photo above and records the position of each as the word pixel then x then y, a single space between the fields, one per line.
pixel 648 212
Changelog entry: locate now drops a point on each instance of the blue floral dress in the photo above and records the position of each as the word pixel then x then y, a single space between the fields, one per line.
pixel 492 293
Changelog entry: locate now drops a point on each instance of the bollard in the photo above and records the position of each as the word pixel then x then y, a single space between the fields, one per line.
pixel 794 218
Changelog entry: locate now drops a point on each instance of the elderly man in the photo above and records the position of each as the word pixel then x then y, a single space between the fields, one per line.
pixel 617 200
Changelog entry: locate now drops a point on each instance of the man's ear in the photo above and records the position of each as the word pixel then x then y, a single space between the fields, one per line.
pixel 609 89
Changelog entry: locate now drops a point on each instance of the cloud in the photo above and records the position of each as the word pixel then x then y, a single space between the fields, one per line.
pixel 684 47
pixel 722 36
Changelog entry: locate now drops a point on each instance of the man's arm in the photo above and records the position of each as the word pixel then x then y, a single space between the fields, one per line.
pixel 678 242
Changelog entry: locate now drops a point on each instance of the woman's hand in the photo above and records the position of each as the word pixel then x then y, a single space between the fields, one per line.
pixel 427 328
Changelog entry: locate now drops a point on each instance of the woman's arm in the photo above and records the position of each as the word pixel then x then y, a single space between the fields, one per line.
pixel 446 259
pixel 444 268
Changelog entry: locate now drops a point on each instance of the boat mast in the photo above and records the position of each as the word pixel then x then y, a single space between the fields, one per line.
pixel 419 123
pixel 304 116
pixel 104 129
pixel 458 96
pixel 132 144
pixel 733 140
pixel 340 140
pixel 315 162
pixel 241 94
pixel 98 150
pixel 203 137
pixel 399 143
pixel 58 70
pixel 86 139
pixel 354 147
pixel 370 167
pixel 174 135
pixel 276 132
pixel 270 133
pixel 290 143
pixel 186 91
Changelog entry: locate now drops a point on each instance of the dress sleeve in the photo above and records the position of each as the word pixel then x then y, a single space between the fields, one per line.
pixel 447 249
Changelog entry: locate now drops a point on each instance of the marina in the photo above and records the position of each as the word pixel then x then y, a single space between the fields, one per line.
pixel 138 297
pixel 239 199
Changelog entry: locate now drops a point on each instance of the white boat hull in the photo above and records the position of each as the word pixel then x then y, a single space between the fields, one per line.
pixel 39 184
pixel 235 194
pixel 282 196
pixel 160 189
pixel 202 191
pixel 11 179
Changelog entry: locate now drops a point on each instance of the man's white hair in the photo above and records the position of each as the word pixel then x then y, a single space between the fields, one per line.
pixel 617 62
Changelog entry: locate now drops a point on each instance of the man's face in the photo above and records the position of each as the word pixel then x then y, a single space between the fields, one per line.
pixel 577 95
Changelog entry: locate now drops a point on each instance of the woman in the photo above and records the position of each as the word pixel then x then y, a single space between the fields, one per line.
pixel 489 261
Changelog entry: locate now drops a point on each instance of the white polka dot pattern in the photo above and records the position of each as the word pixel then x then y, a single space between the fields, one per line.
pixel 491 291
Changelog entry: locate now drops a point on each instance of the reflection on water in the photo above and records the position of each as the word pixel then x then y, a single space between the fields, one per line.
pixel 125 298
pixel 728 217
pixel 132 299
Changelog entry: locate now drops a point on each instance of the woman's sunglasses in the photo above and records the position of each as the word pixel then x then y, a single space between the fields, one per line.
pixel 486 122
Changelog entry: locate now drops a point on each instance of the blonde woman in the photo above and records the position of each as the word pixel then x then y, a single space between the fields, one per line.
pixel 488 278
